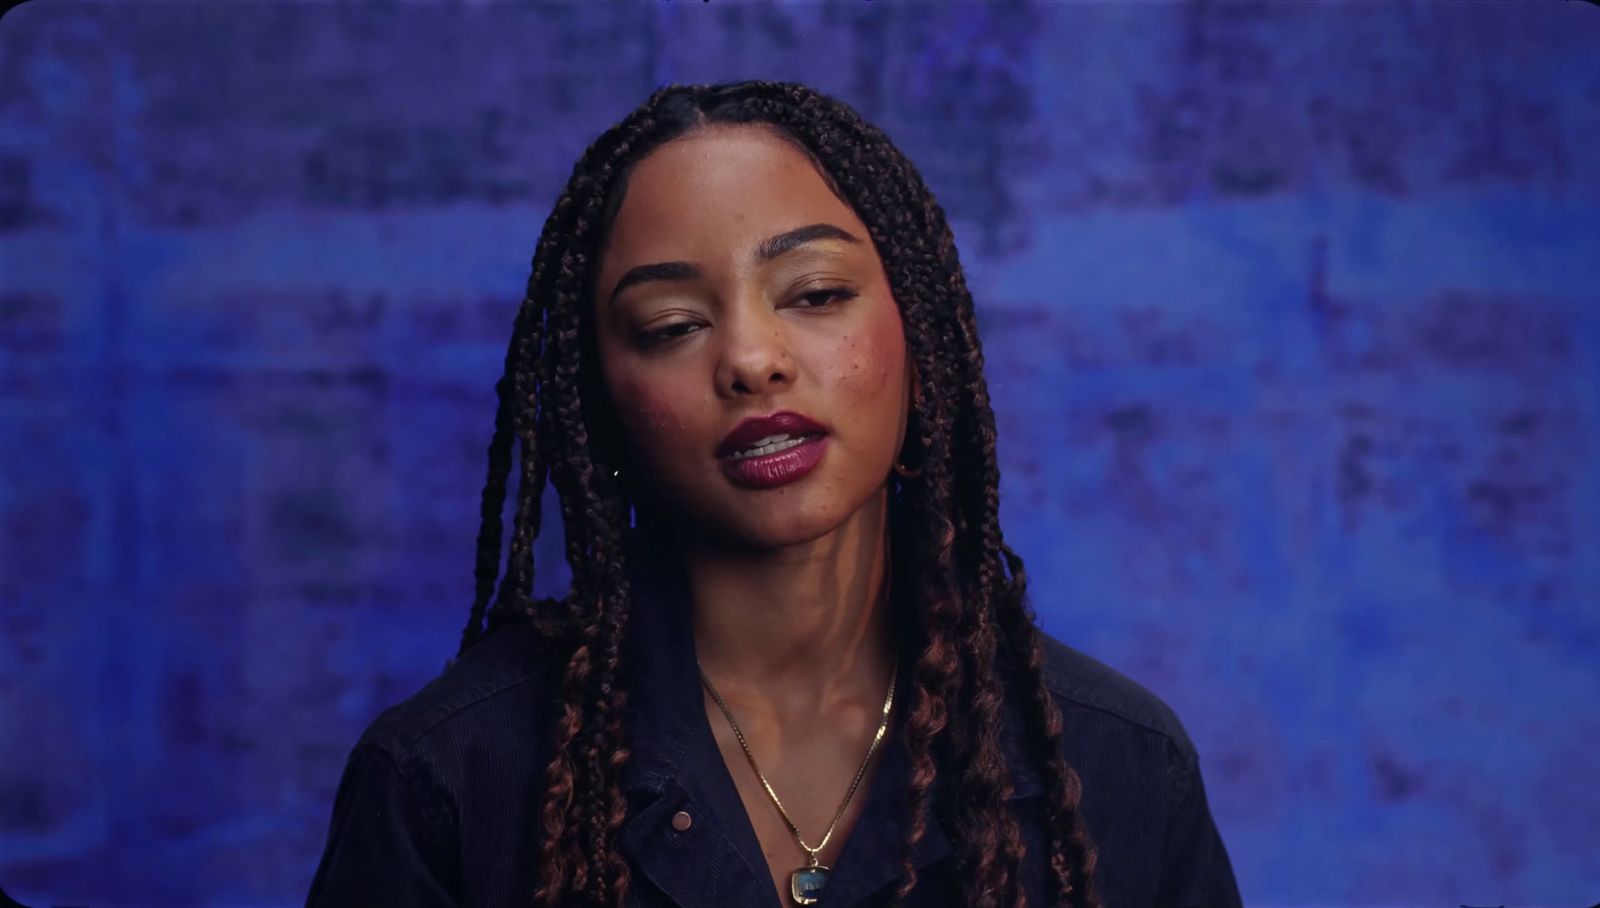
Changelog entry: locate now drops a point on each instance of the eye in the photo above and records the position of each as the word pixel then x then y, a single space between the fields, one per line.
pixel 666 333
pixel 821 298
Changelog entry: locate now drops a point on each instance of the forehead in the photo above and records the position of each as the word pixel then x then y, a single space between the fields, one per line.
pixel 713 194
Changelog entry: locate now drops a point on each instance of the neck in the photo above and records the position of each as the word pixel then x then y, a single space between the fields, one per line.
pixel 801 627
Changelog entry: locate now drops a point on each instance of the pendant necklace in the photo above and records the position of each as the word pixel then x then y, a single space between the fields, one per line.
pixel 806 882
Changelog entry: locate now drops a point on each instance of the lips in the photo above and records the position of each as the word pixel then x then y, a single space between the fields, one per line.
pixel 756 428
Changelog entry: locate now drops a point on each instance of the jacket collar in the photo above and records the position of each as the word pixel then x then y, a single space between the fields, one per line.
pixel 667 716
pixel 666 703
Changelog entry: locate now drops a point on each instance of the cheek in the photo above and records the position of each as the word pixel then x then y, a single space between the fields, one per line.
pixel 871 360
pixel 647 410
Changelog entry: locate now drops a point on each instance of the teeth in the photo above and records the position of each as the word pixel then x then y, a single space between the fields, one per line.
pixel 769 445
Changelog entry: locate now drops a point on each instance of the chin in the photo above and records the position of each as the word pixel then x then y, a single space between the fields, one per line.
pixel 707 505
pixel 765 521
pixel 772 524
pixel 773 532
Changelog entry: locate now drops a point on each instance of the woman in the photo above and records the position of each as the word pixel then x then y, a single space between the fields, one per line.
pixel 796 664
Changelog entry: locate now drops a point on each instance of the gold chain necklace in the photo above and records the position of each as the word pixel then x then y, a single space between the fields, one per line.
pixel 805 882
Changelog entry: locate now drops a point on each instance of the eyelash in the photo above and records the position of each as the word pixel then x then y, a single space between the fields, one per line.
pixel 670 332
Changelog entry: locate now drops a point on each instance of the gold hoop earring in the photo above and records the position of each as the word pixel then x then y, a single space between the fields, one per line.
pixel 900 469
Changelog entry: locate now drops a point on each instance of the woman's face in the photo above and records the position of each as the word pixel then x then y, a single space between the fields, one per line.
pixel 705 318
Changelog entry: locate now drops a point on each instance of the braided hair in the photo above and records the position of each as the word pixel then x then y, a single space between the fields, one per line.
pixel 974 631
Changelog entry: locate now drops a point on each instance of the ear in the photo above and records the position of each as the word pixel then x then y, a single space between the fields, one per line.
pixel 915 401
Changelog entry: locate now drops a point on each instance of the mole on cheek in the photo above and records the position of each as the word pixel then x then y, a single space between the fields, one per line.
pixel 872 360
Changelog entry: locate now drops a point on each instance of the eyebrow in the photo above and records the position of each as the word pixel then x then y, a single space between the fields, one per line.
pixel 768 249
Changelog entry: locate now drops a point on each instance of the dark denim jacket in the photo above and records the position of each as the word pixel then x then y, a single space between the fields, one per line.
pixel 438 803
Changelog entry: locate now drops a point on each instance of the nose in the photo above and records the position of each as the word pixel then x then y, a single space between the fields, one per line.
pixel 755 353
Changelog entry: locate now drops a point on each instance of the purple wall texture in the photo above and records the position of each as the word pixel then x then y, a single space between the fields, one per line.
pixel 1292 324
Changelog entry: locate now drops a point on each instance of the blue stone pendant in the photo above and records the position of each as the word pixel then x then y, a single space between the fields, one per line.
pixel 805 883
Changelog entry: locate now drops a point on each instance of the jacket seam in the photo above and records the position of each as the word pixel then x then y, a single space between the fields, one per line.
pixel 1147 725
pixel 1180 772
pixel 428 798
pixel 452 708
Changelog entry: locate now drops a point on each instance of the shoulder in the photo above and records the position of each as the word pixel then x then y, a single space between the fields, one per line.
pixel 1144 802
pixel 430 773
pixel 496 688
pixel 1101 696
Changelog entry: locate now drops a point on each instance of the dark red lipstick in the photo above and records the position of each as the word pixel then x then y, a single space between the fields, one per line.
pixel 793 446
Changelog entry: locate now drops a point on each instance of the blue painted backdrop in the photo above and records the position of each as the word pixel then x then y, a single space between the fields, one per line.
pixel 1291 315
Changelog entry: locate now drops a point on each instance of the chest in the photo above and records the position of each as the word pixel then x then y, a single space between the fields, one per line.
pixel 802 804
pixel 705 840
